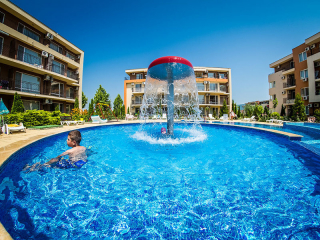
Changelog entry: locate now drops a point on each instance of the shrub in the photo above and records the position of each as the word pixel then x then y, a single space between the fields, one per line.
pixel 275 115
pixel 317 115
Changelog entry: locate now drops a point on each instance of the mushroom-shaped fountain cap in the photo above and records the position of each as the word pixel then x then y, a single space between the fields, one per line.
pixel 170 59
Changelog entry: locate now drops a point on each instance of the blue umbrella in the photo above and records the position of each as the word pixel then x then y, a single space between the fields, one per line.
pixel 3 110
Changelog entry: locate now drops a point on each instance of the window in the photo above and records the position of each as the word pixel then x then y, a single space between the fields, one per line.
pixel 71 56
pixel 29 56
pixel 54 105
pixel 272 84
pixel 68 108
pixel 70 92
pixel 222 76
pixel 27 83
pixel 303 74
pixel 198 74
pixel 291 64
pixel 31 105
pixel 1 44
pixel 200 86
pixel 210 75
pixel 304 92
pixel 201 99
pixel 1 17
pixel 302 56
pixel 307 110
pixel 55 47
pixel 213 100
pixel 29 33
pixel 213 87
pixel 58 67
pixel 223 88
pixel 57 89
pixel 139 76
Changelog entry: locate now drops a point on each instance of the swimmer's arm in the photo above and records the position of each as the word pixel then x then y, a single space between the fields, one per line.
pixel 56 159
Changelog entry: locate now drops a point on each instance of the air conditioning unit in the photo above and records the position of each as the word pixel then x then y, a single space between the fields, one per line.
pixel 312 46
pixel 144 83
pixel 49 36
pixel 51 56
pixel 205 82
pixel 48 101
pixel 284 92
pixel 278 66
pixel 133 73
pixel 317 64
pixel 316 105
pixel 77 71
pixel 45 54
pixel 310 105
pixel 307 48
pixel 77 88
pixel 305 79
pixel 207 94
pixel 283 77
pixel 305 98
pixel 132 84
pixel 48 78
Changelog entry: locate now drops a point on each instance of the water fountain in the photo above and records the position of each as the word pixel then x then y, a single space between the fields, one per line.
pixel 170 82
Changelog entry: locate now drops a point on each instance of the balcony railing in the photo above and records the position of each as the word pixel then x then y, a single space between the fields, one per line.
pixel 27 87
pixel 213 102
pixel 29 58
pixel 289 84
pixel 139 90
pixel 72 75
pixel 136 101
pixel 6 84
pixel 202 101
pixel 288 100
pixel 200 88
pixel 313 51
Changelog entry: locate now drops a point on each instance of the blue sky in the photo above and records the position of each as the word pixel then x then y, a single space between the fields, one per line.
pixel 116 35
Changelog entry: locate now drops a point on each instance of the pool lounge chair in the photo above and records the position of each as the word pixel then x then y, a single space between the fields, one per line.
pixel 15 127
pixel 252 119
pixel 67 120
pixel 279 121
pixel 155 117
pixel 210 117
pixel 130 117
pixel 271 120
pixel 164 116
pixel 97 119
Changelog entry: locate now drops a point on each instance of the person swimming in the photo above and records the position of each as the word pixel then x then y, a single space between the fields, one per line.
pixel 77 155
pixel 163 131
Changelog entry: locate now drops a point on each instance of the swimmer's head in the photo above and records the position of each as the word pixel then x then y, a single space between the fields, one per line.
pixel 75 136
pixel 163 130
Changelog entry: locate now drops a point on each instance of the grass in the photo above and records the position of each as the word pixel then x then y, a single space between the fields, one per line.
pixel 45 127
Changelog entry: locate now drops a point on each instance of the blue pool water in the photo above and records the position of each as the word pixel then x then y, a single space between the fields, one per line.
pixel 213 182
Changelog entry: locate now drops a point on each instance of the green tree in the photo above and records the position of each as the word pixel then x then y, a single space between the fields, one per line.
pixel 258 110
pixel 298 109
pixel 239 112
pixel 275 103
pixel 91 107
pixel 224 109
pixel 283 111
pixel 84 100
pixel 233 105
pixel 76 103
pixel 248 109
pixel 235 108
pixel 102 96
pixel 57 108
pixel 117 106
pixel 317 115
pixel 266 111
pixel 128 110
pixel 17 106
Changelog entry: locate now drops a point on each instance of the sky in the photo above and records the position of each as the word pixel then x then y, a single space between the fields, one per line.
pixel 116 35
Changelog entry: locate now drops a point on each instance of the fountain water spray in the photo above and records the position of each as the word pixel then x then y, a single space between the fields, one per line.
pixel 171 84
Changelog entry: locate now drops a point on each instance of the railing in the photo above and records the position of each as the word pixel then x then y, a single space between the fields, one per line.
pixel 288 101
pixel 72 75
pixel 140 90
pixel 222 99
pixel 290 84
pixel 200 88
pixel 136 101
pixel 27 87
pixel 126 78
pixel 29 58
pixel 313 51
pixel 56 68
pixel 202 101
pixel 213 102
pixel 6 84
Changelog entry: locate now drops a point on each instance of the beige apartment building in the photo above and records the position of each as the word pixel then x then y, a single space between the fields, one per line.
pixel 214 86
pixel 297 73
pixel 36 62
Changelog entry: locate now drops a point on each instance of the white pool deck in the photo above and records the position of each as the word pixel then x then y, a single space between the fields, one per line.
pixel 15 141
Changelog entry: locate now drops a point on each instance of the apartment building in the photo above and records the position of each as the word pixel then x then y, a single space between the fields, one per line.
pixel 36 62
pixel 297 73
pixel 214 86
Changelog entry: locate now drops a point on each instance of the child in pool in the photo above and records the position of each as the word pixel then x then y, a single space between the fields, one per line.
pixel 163 131
pixel 77 155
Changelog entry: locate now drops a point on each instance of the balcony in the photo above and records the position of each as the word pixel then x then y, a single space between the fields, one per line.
pixel 137 90
pixel 313 51
pixel 137 102
pixel 21 29
pixel 289 84
pixel 289 70
pixel 32 60
pixel 288 101
pixel 201 88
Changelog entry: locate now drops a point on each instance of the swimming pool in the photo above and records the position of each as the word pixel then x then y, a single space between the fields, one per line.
pixel 232 184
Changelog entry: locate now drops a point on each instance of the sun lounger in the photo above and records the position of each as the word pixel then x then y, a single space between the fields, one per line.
pixel 130 117
pixel 271 120
pixel 252 119
pixel 164 116
pixel 67 120
pixel 15 127
pixel 97 119
pixel 155 117
pixel 279 121
pixel 210 117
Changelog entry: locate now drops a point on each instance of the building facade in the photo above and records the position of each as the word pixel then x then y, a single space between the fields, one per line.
pixel 214 86
pixel 41 66
pixel 297 73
